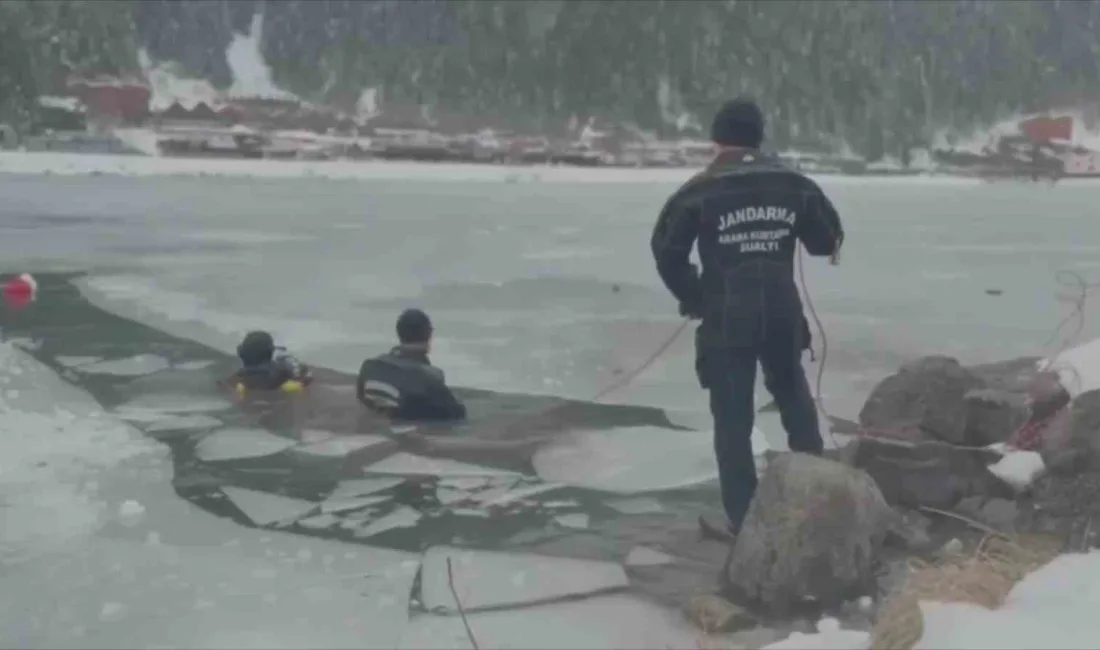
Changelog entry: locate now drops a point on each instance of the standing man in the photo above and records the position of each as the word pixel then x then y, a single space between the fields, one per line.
pixel 747 211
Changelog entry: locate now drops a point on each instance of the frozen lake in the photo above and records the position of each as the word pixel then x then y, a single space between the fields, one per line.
pixel 533 287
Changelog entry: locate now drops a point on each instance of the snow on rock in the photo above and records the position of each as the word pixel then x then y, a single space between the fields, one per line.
pixel 485 579
pixel 142 364
pixel 1054 607
pixel 628 460
pixel 52 437
pixel 264 508
pixel 405 464
pixel 237 444
pixel 612 622
pixel 169 86
pixel 1078 368
pixel 1019 468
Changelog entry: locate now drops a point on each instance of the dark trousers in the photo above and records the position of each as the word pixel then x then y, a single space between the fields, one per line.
pixel 730 375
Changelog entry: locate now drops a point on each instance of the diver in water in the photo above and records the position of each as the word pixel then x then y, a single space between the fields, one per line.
pixel 403 384
pixel 746 212
pixel 267 367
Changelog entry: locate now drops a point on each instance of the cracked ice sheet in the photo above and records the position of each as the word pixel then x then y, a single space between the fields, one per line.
pixel 124 594
pixel 364 486
pixel 53 436
pixel 614 621
pixel 406 464
pixel 236 444
pixel 629 460
pixel 494 579
pixel 142 364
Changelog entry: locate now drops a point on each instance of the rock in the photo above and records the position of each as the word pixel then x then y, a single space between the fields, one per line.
pixel 935 474
pixel 922 401
pixel 910 529
pixel 993 415
pixel 814 531
pixel 999 514
pixel 712 613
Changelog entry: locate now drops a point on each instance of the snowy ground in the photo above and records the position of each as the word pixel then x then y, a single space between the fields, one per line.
pixel 543 286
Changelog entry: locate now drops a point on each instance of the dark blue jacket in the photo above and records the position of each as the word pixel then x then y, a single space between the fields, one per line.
pixel 404 385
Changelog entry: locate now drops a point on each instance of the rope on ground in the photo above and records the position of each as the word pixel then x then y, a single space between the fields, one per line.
pixel 458 604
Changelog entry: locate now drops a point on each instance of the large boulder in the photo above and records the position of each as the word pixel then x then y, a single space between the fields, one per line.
pixel 924 400
pixel 813 532
pixel 1015 391
pixel 934 474
pixel 1070 441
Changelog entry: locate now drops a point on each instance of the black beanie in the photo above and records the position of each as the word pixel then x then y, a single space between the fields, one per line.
pixel 256 348
pixel 413 326
pixel 739 123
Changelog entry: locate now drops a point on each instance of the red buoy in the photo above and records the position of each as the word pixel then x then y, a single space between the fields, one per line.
pixel 20 292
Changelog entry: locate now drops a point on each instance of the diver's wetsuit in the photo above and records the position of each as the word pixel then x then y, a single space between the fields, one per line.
pixel 272 374
pixel 404 385
pixel 746 211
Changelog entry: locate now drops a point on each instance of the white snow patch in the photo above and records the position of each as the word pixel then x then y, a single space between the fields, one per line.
pixel 1019 468
pixel 406 464
pixel 52 437
pixel 142 364
pixel 644 556
pixel 493 579
pixel 1054 607
pixel 1078 367
pixel 168 86
pixel 143 166
pixel 612 622
pixel 829 636
pixel 251 74
pixel 628 460
pixel 238 443
pixel 264 508
pixel 143 140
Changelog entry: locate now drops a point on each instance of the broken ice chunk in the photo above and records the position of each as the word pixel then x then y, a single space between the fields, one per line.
pixel 72 362
pixel 638 506
pixel 577 520
pixel 142 364
pixel 407 464
pixel 331 506
pixel 628 460
pixel 339 446
pixel 172 403
pixel 643 556
pixel 511 494
pixel 486 578
pixel 183 423
pixel 318 522
pixel 363 486
pixel 193 365
pixel 464 482
pixel 402 517
pixel 264 508
pixel 236 444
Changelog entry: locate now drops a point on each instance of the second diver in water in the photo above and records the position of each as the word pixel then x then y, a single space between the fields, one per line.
pixel 403 384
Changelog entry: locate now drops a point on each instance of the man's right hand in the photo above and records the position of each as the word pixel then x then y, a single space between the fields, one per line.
pixel 694 313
